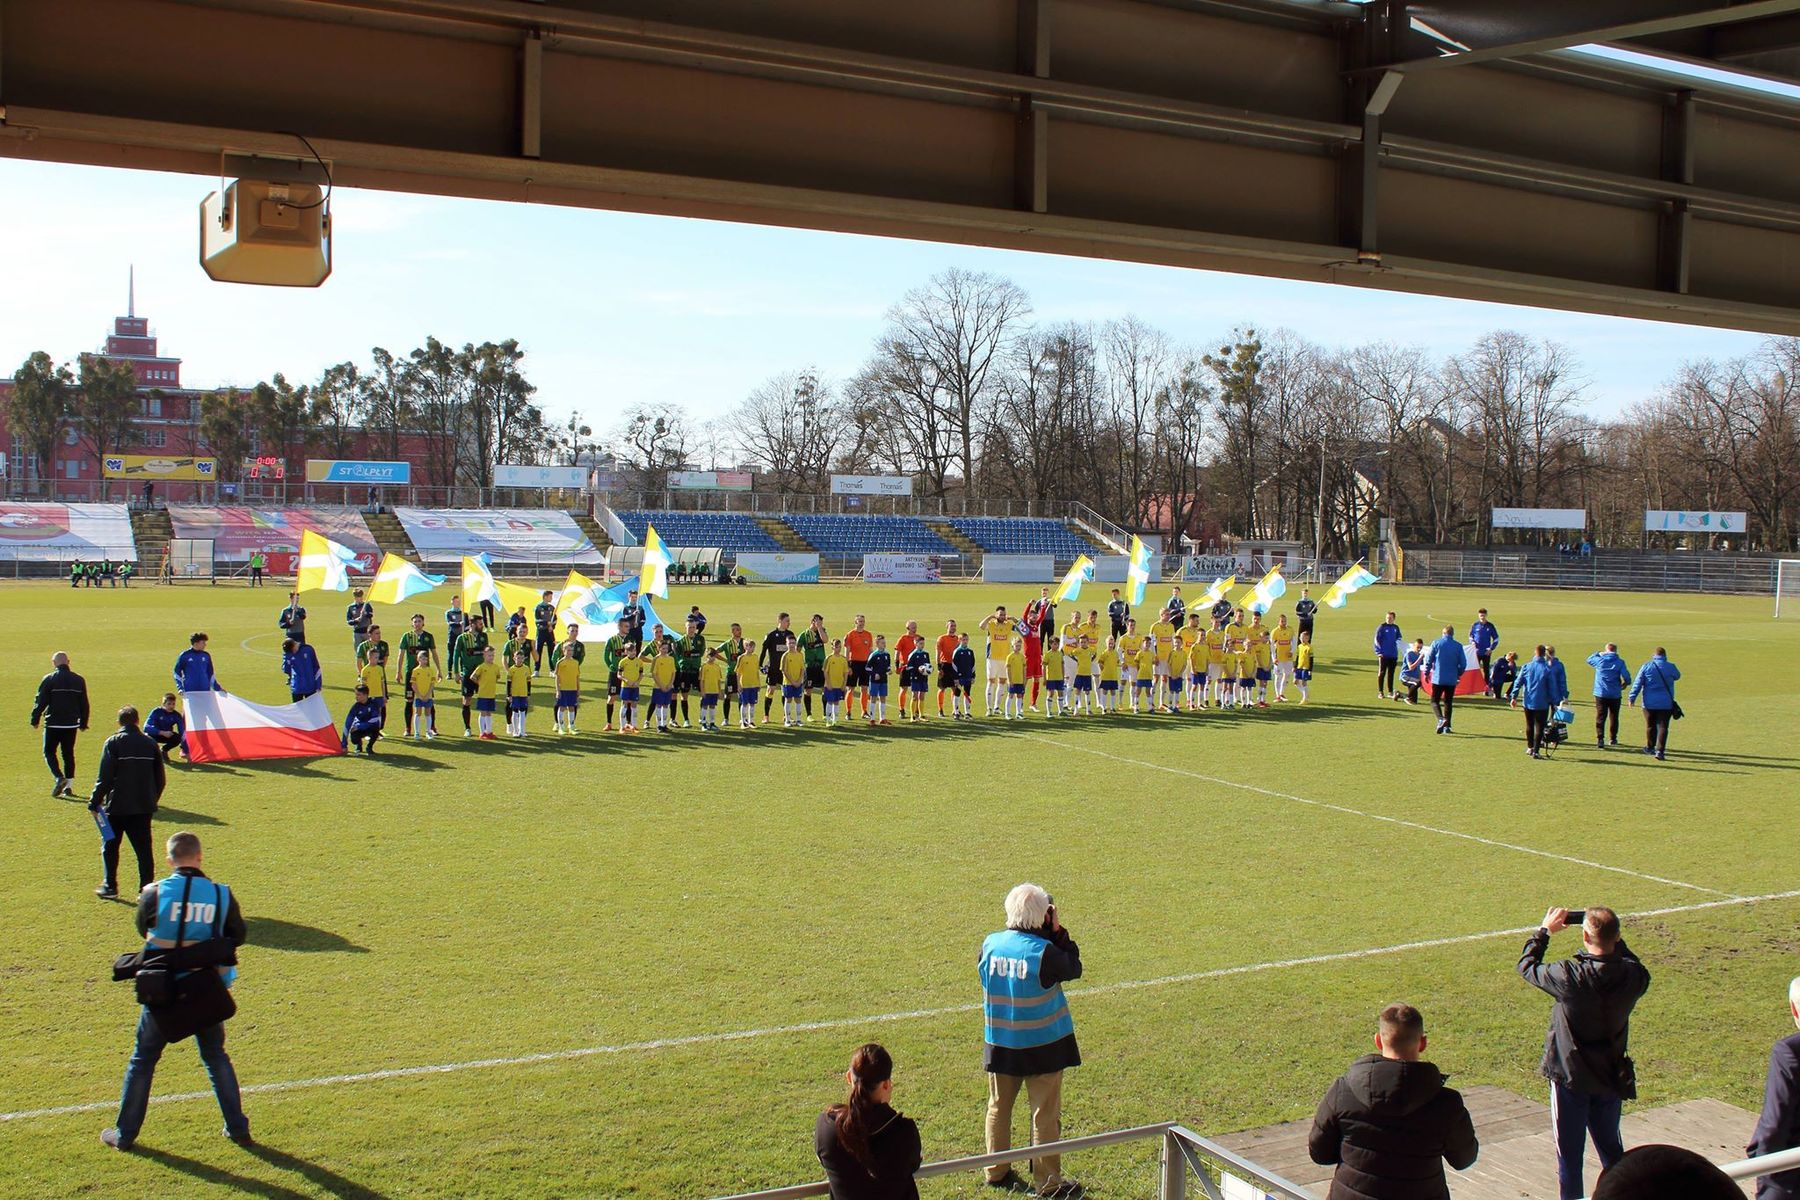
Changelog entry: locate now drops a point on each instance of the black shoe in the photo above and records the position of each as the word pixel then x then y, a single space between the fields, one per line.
pixel 1659 756
pixel 242 1139
pixel 106 891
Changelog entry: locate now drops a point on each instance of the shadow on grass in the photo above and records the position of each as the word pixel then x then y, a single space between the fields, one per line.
pixel 181 817
pixel 272 933
pixel 321 1178
pixel 326 1180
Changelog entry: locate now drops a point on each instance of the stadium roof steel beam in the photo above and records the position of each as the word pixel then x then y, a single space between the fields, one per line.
pixel 1259 136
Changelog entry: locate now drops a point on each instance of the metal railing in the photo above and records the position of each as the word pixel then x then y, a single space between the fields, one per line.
pixel 773 504
pixel 1109 534
pixel 1604 570
pixel 1186 1157
pixel 1764 1164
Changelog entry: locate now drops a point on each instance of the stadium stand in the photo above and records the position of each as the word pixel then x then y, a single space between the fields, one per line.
pixel 1021 535
pixel 734 533
pixel 833 534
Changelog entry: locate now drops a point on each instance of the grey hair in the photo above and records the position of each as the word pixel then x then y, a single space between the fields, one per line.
pixel 1027 907
pixel 1794 991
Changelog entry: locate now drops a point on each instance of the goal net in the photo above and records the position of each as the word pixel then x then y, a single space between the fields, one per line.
pixel 1787 584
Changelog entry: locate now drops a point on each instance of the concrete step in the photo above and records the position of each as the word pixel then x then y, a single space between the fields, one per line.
pixel 944 529
pixel 784 534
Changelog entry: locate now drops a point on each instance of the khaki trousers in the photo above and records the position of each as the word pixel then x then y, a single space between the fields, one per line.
pixel 1044 1092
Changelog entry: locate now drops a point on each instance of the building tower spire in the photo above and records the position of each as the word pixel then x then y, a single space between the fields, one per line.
pixel 131 290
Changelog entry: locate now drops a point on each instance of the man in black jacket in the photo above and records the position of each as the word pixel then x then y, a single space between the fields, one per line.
pixel 62 705
pixel 1116 613
pixel 130 784
pixel 1779 1126
pixel 1389 1123
pixel 1585 1059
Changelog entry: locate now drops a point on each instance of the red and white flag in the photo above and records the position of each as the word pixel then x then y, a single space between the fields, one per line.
pixel 223 728
pixel 1473 682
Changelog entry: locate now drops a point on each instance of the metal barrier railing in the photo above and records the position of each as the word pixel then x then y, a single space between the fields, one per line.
pixel 1186 1157
pixel 1764 1164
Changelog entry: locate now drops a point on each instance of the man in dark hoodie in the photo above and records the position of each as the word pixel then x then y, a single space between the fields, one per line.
pixel 1585 1059
pixel 1389 1123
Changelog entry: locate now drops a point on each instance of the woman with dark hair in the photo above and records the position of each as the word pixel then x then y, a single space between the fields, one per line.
pixel 868 1150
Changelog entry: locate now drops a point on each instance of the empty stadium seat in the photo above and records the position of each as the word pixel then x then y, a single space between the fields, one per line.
pixel 835 534
pixel 1021 535
pixel 734 533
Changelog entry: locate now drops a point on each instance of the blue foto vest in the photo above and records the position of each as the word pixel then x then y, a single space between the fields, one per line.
pixel 1017 1010
pixel 207 904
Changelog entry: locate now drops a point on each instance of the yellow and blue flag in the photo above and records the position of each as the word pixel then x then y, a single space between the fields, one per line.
pixel 1268 589
pixel 398 580
pixel 1217 591
pixel 653 576
pixel 1137 571
pixel 1070 588
pixel 324 565
pixel 1350 582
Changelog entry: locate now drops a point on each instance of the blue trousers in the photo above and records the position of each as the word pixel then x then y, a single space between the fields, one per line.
pixel 142 1070
pixel 1579 1115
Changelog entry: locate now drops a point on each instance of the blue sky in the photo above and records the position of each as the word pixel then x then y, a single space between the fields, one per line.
pixel 615 309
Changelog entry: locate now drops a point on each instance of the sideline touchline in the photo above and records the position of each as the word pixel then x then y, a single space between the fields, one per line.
pixel 737 1035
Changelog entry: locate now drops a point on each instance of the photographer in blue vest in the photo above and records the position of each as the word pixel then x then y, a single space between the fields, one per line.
pixel 1029 1033
pixel 185 908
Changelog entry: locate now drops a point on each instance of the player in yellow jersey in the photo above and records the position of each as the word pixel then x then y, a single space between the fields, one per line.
pixel 1081 688
pixel 1144 679
pixel 1015 681
pixel 518 692
pixel 1258 637
pixel 1162 641
pixel 793 680
pixel 1178 664
pixel 662 687
pixel 1246 671
pixel 712 685
pixel 484 678
pixel 1214 639
pixel 374 677
pixel 1281 646
pixel 1303 660
pixel 837 679
pixel 1106 664
pixel 631 677
pixel 1056 679
pixel 567 670
pixel 1236 640
pixel 1129 643
pixel 749 673
pixel 422 684
pixel 1090 629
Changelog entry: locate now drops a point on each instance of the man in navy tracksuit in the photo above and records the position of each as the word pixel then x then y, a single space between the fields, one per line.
pixel 1532 692
pixel 1484 637
pixel 1445 663
pixel 1655 682
pixel 167 727
pixel 300 662
pixel 62 707
pixel 1029 1033
pixel 1779 1126
pixel 362 724
pixel 1387 657
pixel 1610 678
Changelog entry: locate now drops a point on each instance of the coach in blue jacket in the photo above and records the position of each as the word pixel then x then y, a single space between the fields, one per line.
pixel 1387 658
pixel 1534 691
pixel 1656 684
pixel 1779 1126
pixel 1610 678
pixel 300 662
pixel 1445 663
pixel 1484 637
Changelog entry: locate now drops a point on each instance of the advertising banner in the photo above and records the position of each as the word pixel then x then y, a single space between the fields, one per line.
pixel 540 477
pixel 778 568
pixel 871 485
pixel 351 470
pixel 901 568
pixel 710 481
pixel 238 532
pixel 1670 520
pixel 530 535
pixel 157 466
pixel 1018 568
pixel 1540 518
pixel 58 531
pixel 1207 567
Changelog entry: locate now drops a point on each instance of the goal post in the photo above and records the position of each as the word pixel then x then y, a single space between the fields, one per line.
pixel 188 559
pixel 1787 583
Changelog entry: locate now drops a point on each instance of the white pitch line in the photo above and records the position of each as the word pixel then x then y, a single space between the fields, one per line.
pixel 738 1035
pixel 1357 812
pixel 245 644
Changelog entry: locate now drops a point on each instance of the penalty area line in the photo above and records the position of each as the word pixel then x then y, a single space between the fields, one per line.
pixel 737 1035
pixel 1372 816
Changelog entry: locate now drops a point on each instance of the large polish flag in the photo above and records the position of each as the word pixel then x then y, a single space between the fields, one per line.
pixel 223 728
pixel 1473 682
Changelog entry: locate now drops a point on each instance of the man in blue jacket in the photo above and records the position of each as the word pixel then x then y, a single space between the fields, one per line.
pixel 362 724
pixel 1387 658
pixel 1655 682
pixel 1779 1126
pixel 1484 637
pixel 300 663
pixel 1445 663
pixel 1610 678
pixel 1559 677
pixel 1532 692
pixel 194 669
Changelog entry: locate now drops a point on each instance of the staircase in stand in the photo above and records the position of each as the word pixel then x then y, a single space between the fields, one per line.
pixel 784 534
pixel 152 531
pixel 390 536
pixel 595 533
pixel 969 550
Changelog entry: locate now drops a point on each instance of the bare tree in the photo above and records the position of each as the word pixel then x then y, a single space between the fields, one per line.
pixel 791 427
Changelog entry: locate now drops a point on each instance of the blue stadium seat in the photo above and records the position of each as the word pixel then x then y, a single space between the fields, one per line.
pixel 1021 535
pixel 835 534
pixel 734 533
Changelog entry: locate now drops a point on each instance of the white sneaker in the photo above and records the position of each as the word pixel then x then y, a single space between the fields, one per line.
pixel 468 733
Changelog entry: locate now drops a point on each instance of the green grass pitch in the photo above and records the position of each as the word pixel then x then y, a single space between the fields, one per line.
pixel 641 897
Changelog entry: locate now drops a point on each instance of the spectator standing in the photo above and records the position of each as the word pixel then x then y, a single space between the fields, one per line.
pixel 1778 1128
pixel 1532 692
pixel 169 912
pixel 194 669
pixel 1305 609
pixel 1389 1124
pixel 1116 612
pixel 1610 678
pixel 360 617
pixel 1586 1051
pixel 1484 637
pixel 128 789
pixel 62 708
pixel 1029 1034
pixel 869 1151
pixel 292 620
pixel 1387 658
pixel 300 663
pixel 1445 663
pixel 167 727
pixel 1655 683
